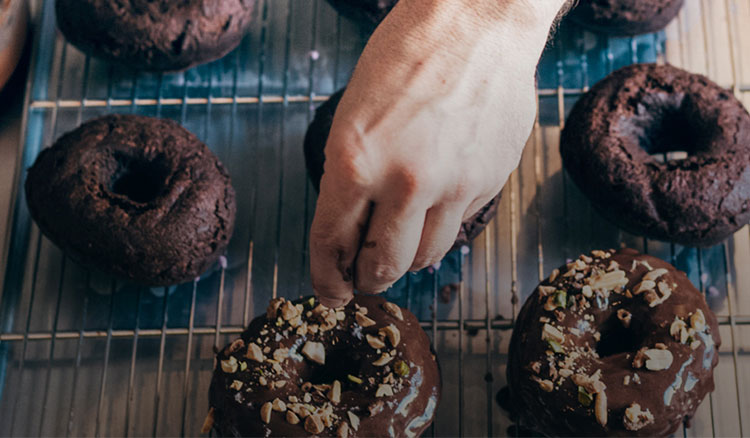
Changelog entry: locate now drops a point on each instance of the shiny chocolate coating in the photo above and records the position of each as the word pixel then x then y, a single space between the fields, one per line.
pixel 273 382
pixel 616 343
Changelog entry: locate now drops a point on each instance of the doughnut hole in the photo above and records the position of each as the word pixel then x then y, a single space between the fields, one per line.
pixel 616 338
pixel 137 178
pixel 339 364
pixel 669 126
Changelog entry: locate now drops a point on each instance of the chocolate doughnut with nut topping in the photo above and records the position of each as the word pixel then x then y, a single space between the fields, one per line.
pixel 365 369
pixel 613 343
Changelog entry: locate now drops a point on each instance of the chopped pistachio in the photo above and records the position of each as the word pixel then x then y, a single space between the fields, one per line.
pixel 354 379
pixel 555 346
pixel 401 368
pixel 561 298
pixel 584 397
pixel 243 366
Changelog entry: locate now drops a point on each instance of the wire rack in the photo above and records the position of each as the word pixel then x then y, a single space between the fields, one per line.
pixel 84 354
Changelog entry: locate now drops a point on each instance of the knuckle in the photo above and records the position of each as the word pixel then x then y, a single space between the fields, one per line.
pixel 377 276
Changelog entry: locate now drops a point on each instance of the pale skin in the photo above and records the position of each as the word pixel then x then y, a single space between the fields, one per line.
pixel 433 122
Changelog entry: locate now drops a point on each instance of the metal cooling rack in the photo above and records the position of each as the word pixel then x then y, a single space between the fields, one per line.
pixel 83 354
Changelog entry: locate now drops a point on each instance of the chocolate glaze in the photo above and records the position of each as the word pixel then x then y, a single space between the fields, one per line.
pixel 648 109
pixel 315 143
pixel 139 197
pixel 625 17
pixel 671 395
pixel 157 35
pixel 408 412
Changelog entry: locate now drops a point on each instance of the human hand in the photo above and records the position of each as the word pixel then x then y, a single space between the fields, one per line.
pixel 432 124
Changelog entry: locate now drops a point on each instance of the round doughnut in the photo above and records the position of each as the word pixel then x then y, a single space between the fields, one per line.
pixel 365 369
pixel 155 35
pixel 315 143
pixel 370 12
pixel 617 133
pixel 625 17
pixel 615 343
pixel 138 197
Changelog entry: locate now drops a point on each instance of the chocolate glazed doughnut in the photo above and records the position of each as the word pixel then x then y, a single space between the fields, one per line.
pixel 611 137
pixel 302 369
pixel 625 17
pixel 156 35
pixel 138 197
pixel 315 143
pixel 612 344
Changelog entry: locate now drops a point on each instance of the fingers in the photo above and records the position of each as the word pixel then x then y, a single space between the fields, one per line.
pixel 441 227
pixel 390 246
pixel 336 232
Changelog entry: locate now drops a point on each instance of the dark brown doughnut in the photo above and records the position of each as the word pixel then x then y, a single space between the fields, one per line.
pixel 647 109
pixel 616 343
pixel 368 12
pixel 365 369
pixel 625 17
pixel 315 143
pixel 138 197
pixel 156 35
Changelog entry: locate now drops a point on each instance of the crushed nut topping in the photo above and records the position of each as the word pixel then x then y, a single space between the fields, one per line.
pixel 394 310
pixel 392 333
pixel 273 307
pixel 550 332
pixel 314 351
pixel 383 360
pixel 236 385
pixel 314 424
pixel 343 430
pixel 265 412
pixel 334 395
pixel 384 390
pixel 291 417
pixel 608 281
pixel 643 286
pixel 698 321
pixel 658 359
pixel 600 408
pixel 255 353
pixel 635 418
pixel 229 366
pixel 353 419
pixel 625 317
pixel 363 320
pixel 278 405
pixel 375 342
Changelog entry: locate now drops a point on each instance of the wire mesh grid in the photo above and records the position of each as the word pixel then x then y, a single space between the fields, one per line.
pixel 84 354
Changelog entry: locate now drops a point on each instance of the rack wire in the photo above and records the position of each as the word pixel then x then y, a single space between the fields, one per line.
pixel 84 354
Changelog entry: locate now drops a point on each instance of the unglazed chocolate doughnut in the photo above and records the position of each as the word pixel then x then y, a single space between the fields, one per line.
pixel 646 109
pixel 156 35
pixel 138 197
pixel 365 369
pixel 370 12
pixel 615 343
pixel 625 17
pixel 315 143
